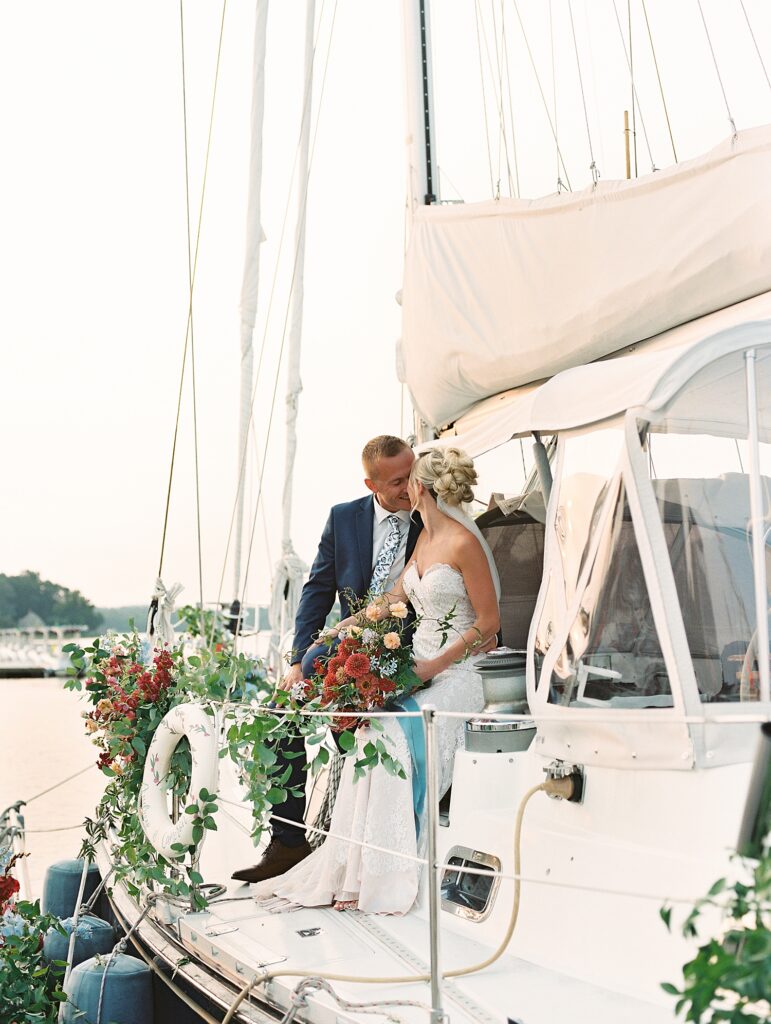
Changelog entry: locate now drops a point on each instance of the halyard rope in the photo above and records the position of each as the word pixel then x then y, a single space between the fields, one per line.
pixel 658 76
pixel 543 97
pixel 243 454
pixel 717 68
pixel 192 286
pixel 284 330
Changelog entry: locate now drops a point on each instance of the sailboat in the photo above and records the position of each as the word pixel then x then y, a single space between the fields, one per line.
pixel 634 573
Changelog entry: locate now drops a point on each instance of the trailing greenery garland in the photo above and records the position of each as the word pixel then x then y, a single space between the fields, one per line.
pixel 131 688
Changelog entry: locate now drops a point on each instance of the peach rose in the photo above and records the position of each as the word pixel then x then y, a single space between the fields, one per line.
pixel 375 612
pixel 399 610
pixel 392 641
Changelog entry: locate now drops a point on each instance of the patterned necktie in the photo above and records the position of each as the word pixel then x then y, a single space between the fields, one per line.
pixel 386 558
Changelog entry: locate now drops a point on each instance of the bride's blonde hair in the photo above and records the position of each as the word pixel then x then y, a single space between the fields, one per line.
pixel 447 473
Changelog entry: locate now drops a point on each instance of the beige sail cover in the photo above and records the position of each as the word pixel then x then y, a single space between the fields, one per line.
pixel 498 294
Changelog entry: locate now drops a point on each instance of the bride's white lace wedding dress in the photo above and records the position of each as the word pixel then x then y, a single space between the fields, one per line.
pixel 378 809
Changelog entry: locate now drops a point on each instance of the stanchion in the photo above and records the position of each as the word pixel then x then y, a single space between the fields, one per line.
pixel 433 879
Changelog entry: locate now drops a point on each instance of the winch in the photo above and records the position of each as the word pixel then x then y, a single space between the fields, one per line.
pixel 503 684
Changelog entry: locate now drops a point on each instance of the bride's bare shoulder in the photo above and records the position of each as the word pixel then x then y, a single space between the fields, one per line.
pixel 464 544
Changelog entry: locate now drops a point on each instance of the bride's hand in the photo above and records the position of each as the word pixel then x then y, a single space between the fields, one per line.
pixel 425 670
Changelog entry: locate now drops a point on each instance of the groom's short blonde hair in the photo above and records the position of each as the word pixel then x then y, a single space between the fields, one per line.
pixel 384 446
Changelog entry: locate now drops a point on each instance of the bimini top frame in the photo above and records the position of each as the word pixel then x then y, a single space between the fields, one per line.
pixel 628 620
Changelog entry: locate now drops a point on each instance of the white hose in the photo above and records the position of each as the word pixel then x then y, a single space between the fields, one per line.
pixel 556 787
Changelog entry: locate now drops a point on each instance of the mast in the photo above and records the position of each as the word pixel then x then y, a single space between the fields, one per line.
pixel 422 177
pixel 289 573
pixel 250 286
pixel 422 181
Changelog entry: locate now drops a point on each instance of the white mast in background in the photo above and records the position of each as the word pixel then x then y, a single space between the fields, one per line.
pixel 422 176
pixel 422 179
pixel 290 570
pixel 251 280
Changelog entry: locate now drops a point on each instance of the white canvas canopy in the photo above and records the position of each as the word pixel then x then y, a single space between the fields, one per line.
pixel 499 294
pixel 584 395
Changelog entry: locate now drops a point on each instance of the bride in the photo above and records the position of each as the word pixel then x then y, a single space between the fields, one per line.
pixel 451 570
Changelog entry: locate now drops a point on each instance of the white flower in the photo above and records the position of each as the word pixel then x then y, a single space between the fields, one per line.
pixel 369 636
pixel 297 692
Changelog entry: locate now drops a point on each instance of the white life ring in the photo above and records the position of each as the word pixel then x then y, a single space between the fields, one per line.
pixel 192 721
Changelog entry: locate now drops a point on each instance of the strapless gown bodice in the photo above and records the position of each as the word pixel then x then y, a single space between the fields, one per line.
pixel 441 603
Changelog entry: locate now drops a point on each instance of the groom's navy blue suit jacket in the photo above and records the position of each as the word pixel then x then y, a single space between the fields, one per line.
pixel 343 566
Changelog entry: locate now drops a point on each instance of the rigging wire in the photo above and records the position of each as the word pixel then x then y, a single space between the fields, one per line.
pixel 255 449
pixel 511 103
pixel 192 286
pixel 636 100
pixel 484 99
pixel 717 69
pixel 661 86
pixel 452 184
pixel 560 183
pixel 286 316
pixel 593 165
pixel 540 89
pixel 630 61
pixel 754 40
pixel 500 105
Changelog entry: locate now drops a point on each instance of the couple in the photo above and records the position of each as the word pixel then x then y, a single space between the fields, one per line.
pixel 437 563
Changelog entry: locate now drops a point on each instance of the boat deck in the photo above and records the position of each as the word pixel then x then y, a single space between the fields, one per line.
pixel 237 938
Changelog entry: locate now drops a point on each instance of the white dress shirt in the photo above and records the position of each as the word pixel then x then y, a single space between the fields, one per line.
pixel 380 530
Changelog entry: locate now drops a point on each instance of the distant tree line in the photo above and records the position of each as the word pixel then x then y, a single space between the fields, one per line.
pixel 54 604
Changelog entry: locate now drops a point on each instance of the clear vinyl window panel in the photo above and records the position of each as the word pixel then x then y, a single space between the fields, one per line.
pixel 612 657
pixel 698 459
pixel 588 464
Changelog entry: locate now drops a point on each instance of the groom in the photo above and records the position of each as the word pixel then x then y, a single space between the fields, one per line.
pixel 363 548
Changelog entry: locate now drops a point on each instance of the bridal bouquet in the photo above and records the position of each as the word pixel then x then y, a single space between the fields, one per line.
pixel 371 667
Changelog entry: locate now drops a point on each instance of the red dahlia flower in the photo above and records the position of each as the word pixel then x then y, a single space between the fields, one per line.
pixel 357 665
pixel 367 686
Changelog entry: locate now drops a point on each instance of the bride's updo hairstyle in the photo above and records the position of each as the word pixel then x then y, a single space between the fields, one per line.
pixel 447 473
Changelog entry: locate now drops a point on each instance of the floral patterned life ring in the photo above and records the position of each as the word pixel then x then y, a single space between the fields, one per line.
pixel 192 721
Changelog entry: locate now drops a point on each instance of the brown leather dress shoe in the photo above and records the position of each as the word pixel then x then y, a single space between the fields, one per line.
pixel 275 861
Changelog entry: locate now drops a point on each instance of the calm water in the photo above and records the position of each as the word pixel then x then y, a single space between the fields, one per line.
pixel 42 741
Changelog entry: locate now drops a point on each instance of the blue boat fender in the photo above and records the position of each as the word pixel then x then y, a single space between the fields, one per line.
pixel 128 991
pixel 93 935
pixel 62 882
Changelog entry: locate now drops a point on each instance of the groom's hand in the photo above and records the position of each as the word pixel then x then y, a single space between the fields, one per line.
pixel 293 675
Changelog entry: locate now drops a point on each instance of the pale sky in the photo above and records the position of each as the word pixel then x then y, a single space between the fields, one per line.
pixel 93 255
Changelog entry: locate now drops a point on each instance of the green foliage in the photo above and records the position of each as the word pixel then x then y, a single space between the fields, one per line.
pixel 54 604
pixel 30 988
pixel 130 691
pixel 729 979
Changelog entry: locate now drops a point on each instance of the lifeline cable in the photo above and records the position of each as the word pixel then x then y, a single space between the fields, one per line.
pixel 556 787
